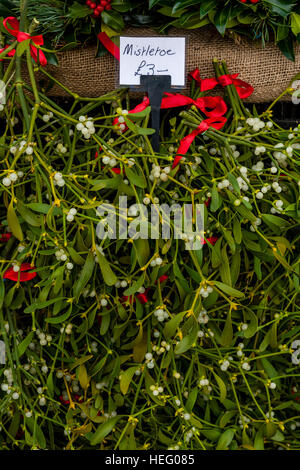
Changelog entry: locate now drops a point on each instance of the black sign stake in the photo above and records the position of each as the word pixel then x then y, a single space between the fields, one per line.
pixel 155 86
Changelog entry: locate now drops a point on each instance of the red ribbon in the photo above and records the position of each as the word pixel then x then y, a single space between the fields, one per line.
pixel 204 84
pixel 163 278
pixel 24 276
pixel 212 106
pixel 110 45
pixel 75 398
pixel 4 237
pixel 115 169
pixel 216 123
pixel 9 54
pixel 243 88
pixel 140 107
pixel 216 120
pixel 211 240
pixel 141 297
pixel 12 25
pixel 293 393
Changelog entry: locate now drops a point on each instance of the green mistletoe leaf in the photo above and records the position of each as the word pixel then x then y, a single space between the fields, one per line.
pixel 13 222
pixel 108 275
pixel 85 275
pixel 103 430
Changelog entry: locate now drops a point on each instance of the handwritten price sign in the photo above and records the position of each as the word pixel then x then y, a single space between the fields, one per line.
pixel 152 56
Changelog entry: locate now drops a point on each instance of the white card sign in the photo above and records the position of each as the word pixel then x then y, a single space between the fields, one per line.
pixel 151 56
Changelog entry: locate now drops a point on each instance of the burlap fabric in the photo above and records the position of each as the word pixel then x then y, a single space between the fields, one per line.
pixel 266 69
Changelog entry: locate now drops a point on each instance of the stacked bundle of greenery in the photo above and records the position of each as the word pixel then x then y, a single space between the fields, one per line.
pixel 69 23
pixel 142 343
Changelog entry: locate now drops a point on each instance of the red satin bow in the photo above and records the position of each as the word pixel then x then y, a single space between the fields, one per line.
pixel 204 84
pixel 212 106
pixel 216 123
pixel 244 89
pixel 24 276
pixel 110 45
pixel 12 25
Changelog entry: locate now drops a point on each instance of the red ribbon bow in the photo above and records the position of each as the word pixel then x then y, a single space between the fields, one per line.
pixel 204 84
pixel 212 106
pixel 24 276
pixel 12 25
pixel 216 123
pixel 243 88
